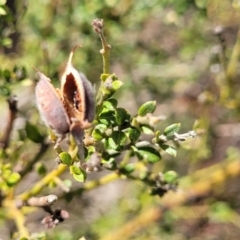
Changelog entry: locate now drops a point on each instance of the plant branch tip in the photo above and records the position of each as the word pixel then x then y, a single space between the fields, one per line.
pixel 98 25
pixel 185 136
pixel 42 201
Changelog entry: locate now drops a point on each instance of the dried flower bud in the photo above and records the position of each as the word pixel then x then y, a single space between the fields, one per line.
pixel 97 25
pixel 93 164
pixel 56 217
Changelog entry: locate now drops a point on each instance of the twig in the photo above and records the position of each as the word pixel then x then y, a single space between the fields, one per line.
pixel 233 62
pixel 92 184
pixel 42 201
pixel 37 188
pixel 19 218
pixel 12 104
pixel 98 25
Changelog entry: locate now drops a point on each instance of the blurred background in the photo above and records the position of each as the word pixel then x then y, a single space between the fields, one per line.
pixel 185 55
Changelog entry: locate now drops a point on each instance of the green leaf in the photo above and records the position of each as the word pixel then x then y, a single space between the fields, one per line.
pixel 116 85
pixel 147 130
pixel 117 139
pixel 78 174
pixel 107 117
pixel 65 158
pixel 33 133
pixel 40 168
pixel 13 179
pixel 149 153
pixel 170 130
pixel 129 168
pixel 75 170
pixel 122 116
pixel 80 177
pixel 170 177
pixel 134 134
pixel 101 127
pixel 147 107
pixel 169 149
pixel 104 77
pixel 97 134
pixel 110 104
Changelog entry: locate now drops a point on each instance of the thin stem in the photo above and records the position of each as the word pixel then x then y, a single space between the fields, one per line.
pixel 19 218
pixel 105 51
pixel 12 105
pixel 233 62
pixel 20 221
pixel 37 188
pixel 93 184
pixel 98 25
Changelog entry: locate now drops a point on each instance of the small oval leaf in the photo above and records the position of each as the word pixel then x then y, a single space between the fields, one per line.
pixel 117 139
pixel 110 104
pixel 149 153
pixel 80 177
pixel 65 158
pixel 147 130
pixel 129 168
pixel 134 134
pixel 13 179
pixel 147 107
pixel 122 116
pixel 169 149
pixel 116 85
pixel 75 170
pixel 40 168
pixel 170 130
pixel 97 134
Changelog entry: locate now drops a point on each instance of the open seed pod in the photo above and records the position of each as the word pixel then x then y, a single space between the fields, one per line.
pixel 78 94
pixel 79 101
pixel 51 106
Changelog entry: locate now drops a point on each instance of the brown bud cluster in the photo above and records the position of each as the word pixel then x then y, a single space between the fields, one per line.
pixel 55 218
pixel 98 25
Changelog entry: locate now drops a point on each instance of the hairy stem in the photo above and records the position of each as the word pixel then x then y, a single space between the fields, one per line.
pixel 98 26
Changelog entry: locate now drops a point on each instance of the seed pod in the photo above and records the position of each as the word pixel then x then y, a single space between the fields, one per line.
pixel 77 93
pixel 69 110
pixel 51 106
pixel 78 97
